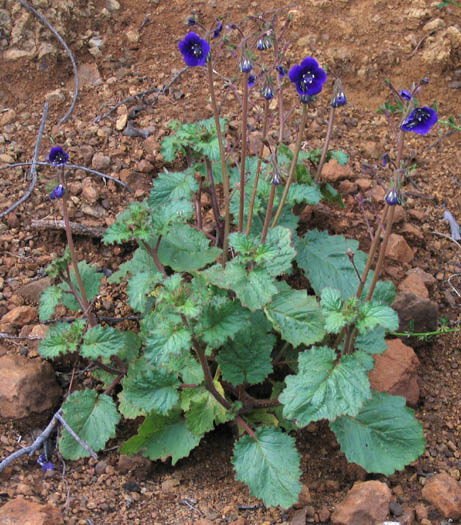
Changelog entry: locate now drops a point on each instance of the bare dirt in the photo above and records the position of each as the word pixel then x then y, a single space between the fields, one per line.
pixel 363 41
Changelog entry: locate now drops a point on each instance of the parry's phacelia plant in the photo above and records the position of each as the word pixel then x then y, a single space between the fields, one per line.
pixel 225 334
pixel 58 192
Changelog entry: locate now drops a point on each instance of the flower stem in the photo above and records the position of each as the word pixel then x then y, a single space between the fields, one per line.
pixel 214 200
pixel 268 213
pixel 153 252
pixel 225 177
pixel 258 167
pixel 331 120
pixel 292 167
pixel 244 149
pixel 73 255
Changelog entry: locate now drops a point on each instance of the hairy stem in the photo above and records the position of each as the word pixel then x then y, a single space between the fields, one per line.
pixel 214 199
pixel 268 213
pixel 258 167
pixel 292 166
pixel 331 120
pixel 153 252
pixel 244 149
pixel 225 177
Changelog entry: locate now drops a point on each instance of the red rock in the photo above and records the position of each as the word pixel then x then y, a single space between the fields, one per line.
pixel 23 512
pixel 324 514
pixel 376 193
pixel 398 249
pixel 89 192
pixel 364 184
pixel 422 314
pixel 100 161
pixel 427 278
pixel 413 283
pixel 408 517
pixel 332 171
pixel 444 493
pixel 412 230
pixel 396 372
pixel 346 187
pixel 26 386
pixel 418 215
pixel 399 215
pixel 32 291
pixel 365 504
pixel 144 166
pixel 299 517
pixel 127 463
pixel 20 316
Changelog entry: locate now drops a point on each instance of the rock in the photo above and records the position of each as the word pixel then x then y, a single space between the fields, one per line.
pixel 127 463
pixel 396 372
pixel 413 283
pixel 365 504
pixel 304 498
pixel 89 191
pixel 324 515
pixel 299 517
pixel 20 316
pixel 445 494
pixel 100 161
pixel 346 187
pixel 151 146
pixel 86 153
pixel 14 53
pixel 398 249
pixel 23 512
pixel 169 485
pixel 433 25
pixel 8 117
pixel 144 166
pixel 332 171
pixel 441 49
pixel 132 36
pixel 56 96
pixel 427 278
pixel 363 184
pixel 112 5
pixel 26 386
pixel 32 291
pixel 121 122
pixel 424 313
pixel 412 230
pixel 88 75
pixel 376 193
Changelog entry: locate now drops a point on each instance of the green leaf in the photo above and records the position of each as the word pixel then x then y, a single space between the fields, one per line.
pixel 332 308
pixel 161 437
pixel 220 322
pixel 185 249
pixel 383 437
pixel 372 342
pixel 141 262
pixel 247 358
pixel 278 259
pixel 127 409
pixel 61 339
pixel 325 262
pixel 131 223
pixel 384 292
pixel 340 155
pixel 49 299
pixel 270 466
pixel 324 388
pixel 297 317
pixel 171 186
pixel 91 279
pixel 373 314
pixel 205 411
pixel 167 216
pixel 100 341
pixel 139 286
pixel 331 195
pixel 92 417
pixel 150 388
pixel 304 193
pixel 169 337
pixel 254 288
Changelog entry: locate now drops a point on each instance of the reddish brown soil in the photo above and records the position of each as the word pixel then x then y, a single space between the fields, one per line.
pixel 365 41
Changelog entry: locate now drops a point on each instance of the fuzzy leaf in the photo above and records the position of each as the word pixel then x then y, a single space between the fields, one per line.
pixel 383 437
pixel 220 322
pixel 270 466
pixel 247 358
pixel 372 342
pixel 372 314
pixel 325 262
pixel 61 339
pixel 332 305
pixel 91 279
pixel 139 286
pixel 102 341
pixel 278 259
pixel 297 317
pixel 92 417
pixel 185 249
pixel 49 299
pixel 150 388
pixel 140 262
pixel 166 339
pixel 254 288
pixel 205 411
pixel 161 437
pixel 324 390
pixel 304 193
pixel 171 186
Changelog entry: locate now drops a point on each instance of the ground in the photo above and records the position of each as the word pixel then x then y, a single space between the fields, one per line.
pixel 363 41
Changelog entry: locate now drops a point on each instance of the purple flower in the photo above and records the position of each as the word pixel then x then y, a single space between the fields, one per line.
pixel 245 65
pixel 281 71
pixel 263 44
pixel 251 81
pixel 386 159
pixel 339 100
pixel 276 179
pixel 218 30
pixel 392 197
pixel 58 192
pixel 194 49
pixel 46 465
pixel 57 156
pixel 191 21
pixel 267 93
pixel 405 94
pixel 308 77
pixel 420 120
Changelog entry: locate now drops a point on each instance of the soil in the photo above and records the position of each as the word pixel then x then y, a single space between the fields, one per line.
pixel 363 41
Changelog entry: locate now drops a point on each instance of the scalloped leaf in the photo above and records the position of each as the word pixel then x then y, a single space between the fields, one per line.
pixel 62 338
pixel 383 437
pixel 102 341
pixel 270 466
pixel 49 299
